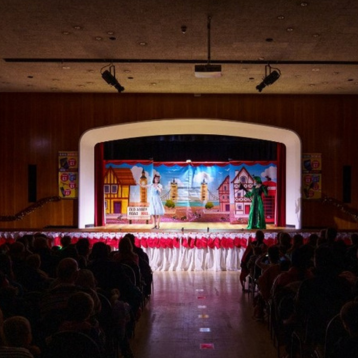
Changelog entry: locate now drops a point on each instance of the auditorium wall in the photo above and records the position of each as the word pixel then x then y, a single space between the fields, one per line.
pixel 34 127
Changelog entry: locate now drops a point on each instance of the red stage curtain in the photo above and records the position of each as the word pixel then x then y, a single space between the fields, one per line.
pixel 281 186
pixel 99 177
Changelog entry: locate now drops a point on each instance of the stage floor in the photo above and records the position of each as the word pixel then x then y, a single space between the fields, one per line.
pixel 192 227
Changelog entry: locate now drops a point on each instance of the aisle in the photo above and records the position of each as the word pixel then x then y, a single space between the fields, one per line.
pixel 195 314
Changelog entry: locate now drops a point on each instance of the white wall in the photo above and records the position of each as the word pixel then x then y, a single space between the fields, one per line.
pixel 189 126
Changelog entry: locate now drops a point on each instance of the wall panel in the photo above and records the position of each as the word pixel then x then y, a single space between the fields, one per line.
pixel 35 126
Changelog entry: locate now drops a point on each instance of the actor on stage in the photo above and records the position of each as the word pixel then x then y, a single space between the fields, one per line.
pixel 256 215
pixel 156 208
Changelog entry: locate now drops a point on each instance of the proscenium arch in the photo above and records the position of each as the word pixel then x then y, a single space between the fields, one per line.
pixel 188 126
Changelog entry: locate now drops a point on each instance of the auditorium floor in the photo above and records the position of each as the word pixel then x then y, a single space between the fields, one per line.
pixel 200 314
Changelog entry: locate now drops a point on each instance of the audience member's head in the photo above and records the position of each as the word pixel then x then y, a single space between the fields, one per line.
pixel 83 246
pixel 313 240
pixel 99 251
pixel 17 332
pixel 125 245
pixel 354 239
pixel 260 236
pixel 349 317
pixel 79 307
pixel 285 242
pixel 297 240
pixel 85 278
pixel 331 234
pixel 34 261
pixel 67 270
pixel 65 241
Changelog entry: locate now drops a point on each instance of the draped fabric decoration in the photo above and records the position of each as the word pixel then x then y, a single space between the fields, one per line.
pixel 171 251
pixel 281 186
pixel 99 219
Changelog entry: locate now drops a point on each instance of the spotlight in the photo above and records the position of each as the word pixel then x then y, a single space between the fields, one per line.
pixel 270 77
pixel 110 77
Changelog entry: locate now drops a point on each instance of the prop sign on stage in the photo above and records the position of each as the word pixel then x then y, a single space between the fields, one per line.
pixel 192 191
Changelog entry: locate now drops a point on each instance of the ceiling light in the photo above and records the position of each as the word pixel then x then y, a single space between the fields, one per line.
pixel 98 38
pixel 110 32
pixel 270 77
pixel 65 32
pixel 143 43
pixel 280 17
pixel 289 29
pixel 77 27
pixel 110 77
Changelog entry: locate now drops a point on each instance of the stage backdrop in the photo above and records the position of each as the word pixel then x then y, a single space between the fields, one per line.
pixel 192 191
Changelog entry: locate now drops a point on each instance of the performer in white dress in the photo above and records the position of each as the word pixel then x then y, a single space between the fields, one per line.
pixel 156 208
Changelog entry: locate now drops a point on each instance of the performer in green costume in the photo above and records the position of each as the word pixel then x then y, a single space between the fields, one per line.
pixel 256 215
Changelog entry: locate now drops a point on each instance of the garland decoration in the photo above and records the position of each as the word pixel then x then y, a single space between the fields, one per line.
pixel 341 206
pixel 20 215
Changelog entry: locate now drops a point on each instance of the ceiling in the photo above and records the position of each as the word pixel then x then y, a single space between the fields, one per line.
pixel 64 45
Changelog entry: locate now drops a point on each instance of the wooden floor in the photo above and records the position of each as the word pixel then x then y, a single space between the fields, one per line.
pixel 200 314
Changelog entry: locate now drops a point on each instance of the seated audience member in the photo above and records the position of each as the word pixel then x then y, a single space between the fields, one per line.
pixel 49 260
pixel 298 271
pixel 54 302
pixel 83 250
pixel 259 242
pixel 297 242
pixel 321 297
pixel 347 347
pixel 18 338
pixel 67 248
pixel 145 269
pixel 352 255
pixel 79 315
pixel 265 281
pixel 284 243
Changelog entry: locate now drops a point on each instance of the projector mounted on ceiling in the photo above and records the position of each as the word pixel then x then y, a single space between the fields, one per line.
pixel 208 70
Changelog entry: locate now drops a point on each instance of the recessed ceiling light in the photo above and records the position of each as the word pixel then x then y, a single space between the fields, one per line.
pixel 289 29
pixel 126 71
pixel 77 27
pixel 66 67
pixel 304 3
pixel 315 69
pixel 65 32
pixel 98 38
pixel 110 32
pixel 280 17
pixel 143 43
pixel 316 35
pixel 153 84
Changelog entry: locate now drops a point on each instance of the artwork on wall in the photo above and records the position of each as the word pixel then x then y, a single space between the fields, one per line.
pixel 68 175
pixel 312 176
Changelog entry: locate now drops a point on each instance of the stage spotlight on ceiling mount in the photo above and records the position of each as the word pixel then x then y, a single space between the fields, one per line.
pixel 110 77
pixel 270 77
